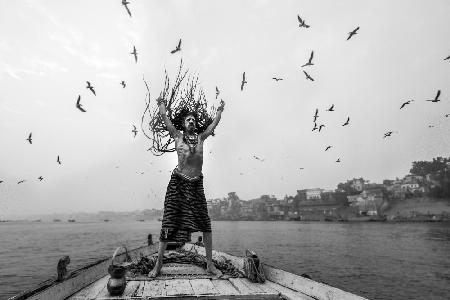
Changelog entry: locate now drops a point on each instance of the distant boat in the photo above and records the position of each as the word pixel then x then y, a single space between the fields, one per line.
pixel 71 221
pixel 105 220
pixel 141 220
pixel 36 220
pixel 56 220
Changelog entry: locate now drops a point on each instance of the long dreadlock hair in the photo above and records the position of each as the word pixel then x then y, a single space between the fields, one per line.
pixel 184 98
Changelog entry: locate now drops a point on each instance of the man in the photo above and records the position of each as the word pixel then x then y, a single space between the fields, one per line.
pixel 185 209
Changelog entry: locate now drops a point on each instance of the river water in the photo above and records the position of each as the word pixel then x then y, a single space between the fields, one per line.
pixel 374 260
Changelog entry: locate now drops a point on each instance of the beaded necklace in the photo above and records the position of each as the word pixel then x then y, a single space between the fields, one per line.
pixel 191 141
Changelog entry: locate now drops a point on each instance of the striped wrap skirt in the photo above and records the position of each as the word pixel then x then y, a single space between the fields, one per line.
pixel 185 209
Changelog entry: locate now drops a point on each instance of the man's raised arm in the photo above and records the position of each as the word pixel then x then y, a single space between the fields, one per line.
pixel 210 129
pixel 162 111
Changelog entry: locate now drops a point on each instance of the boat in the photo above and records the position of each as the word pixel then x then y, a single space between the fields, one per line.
pixel 181 281
pixel 71 220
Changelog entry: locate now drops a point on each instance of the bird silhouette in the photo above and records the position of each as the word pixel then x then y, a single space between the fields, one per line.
pixel 447 58
pixel 29 139
pixel 321 126
pixel 134 131
pixel 277 79
pixel 447 115
pixel 331 108
pixel 58 160
pixel 243 81
pixel 217 92
pixel 389 133
pixel 78 105
pixel 430 126
pixel 89 86
pixel 327 148
pixel 123 84
pixel 125 3
pixel 257 158
pixel 1 181
pixel 346 122
pixel 352 33
pixel 406 103
pixel 316 115
pixel 338 160
pixel 436 99
pixel 301 168
pixel 134 53
pixel 309 63
pixel 302 22
pixel 178 48
pixel 308 77
pixel 40 178
pixel 315 126
pixel 22 181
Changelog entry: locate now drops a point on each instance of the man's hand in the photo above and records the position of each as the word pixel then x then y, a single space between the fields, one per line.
pixel 221 106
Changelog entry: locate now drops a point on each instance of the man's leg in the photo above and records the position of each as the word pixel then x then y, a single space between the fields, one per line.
pixel 210 268
pixel 162 247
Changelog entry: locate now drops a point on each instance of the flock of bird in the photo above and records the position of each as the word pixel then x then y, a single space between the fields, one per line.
pixel 317 127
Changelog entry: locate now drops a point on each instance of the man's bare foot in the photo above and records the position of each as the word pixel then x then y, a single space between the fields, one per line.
pixel 155 272
pixel 212 270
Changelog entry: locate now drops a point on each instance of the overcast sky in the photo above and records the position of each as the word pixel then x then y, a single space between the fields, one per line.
pixel 49 49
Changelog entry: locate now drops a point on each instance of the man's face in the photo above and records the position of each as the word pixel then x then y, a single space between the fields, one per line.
pixel 189 123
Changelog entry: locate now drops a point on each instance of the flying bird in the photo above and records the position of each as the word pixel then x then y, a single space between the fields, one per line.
pixel 257 158
pixel 316 115
pixel 309 63
pixel 89 86
pixel 338 160
pixel 301 168
pixel 430 126
pixel 352 33
pixel 22 181
pixel 447 115
pixel 243 81
pixel 308 77
pixel 327 148
pixel 387 134
pixel 331 108
pixel 320 127
pixel 436 99
pixel 123 84
pixel 301 22
pixel 447 58
pixel 178 48
pixel 125 3
pixel 406 103
pixel 277 79
pixel 1 181
pixel 346 122
pixel 134 131
pixel 315 126
pixel 134 53
pixel 58 160
pixel 79 104
pixel 29 139
pixel 40 178
pixel 217 92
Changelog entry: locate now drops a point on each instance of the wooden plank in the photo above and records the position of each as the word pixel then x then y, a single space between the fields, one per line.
pixel 203 287
pixel 80 278
pixel 178 287
pixel 286 292
pixel 91 291
pixel 154 288
pixel 224 287
pixel 307 286
pixel 140 289
pixel 253 287
pixel 242 287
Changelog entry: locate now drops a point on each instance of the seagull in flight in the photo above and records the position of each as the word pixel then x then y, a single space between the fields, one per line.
pixel 389 133
pixel 447 115
pixel 338 160
pixel 123 84
pixel 302 22
pixel 352 33
pixel 134 131
pixel 346 122
pixel 430 126
pixel 243 81
pixel 29 139
pixel 301 168
pixel 328 147
pixel 40 178
pixel 308 77
pixel 22 181
pixel 277 79
pixel 315 126
pixel 447 58
pixel 406 103
pixel 331 108
pixel 309 63
pixel 89 86
pixel 436 99
pixel 217 92
pixel 257 158
pixel 178 48
pixel 79 104
pixel 134 53
pixel 316 115
pixel 125 3
pixel 58 160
